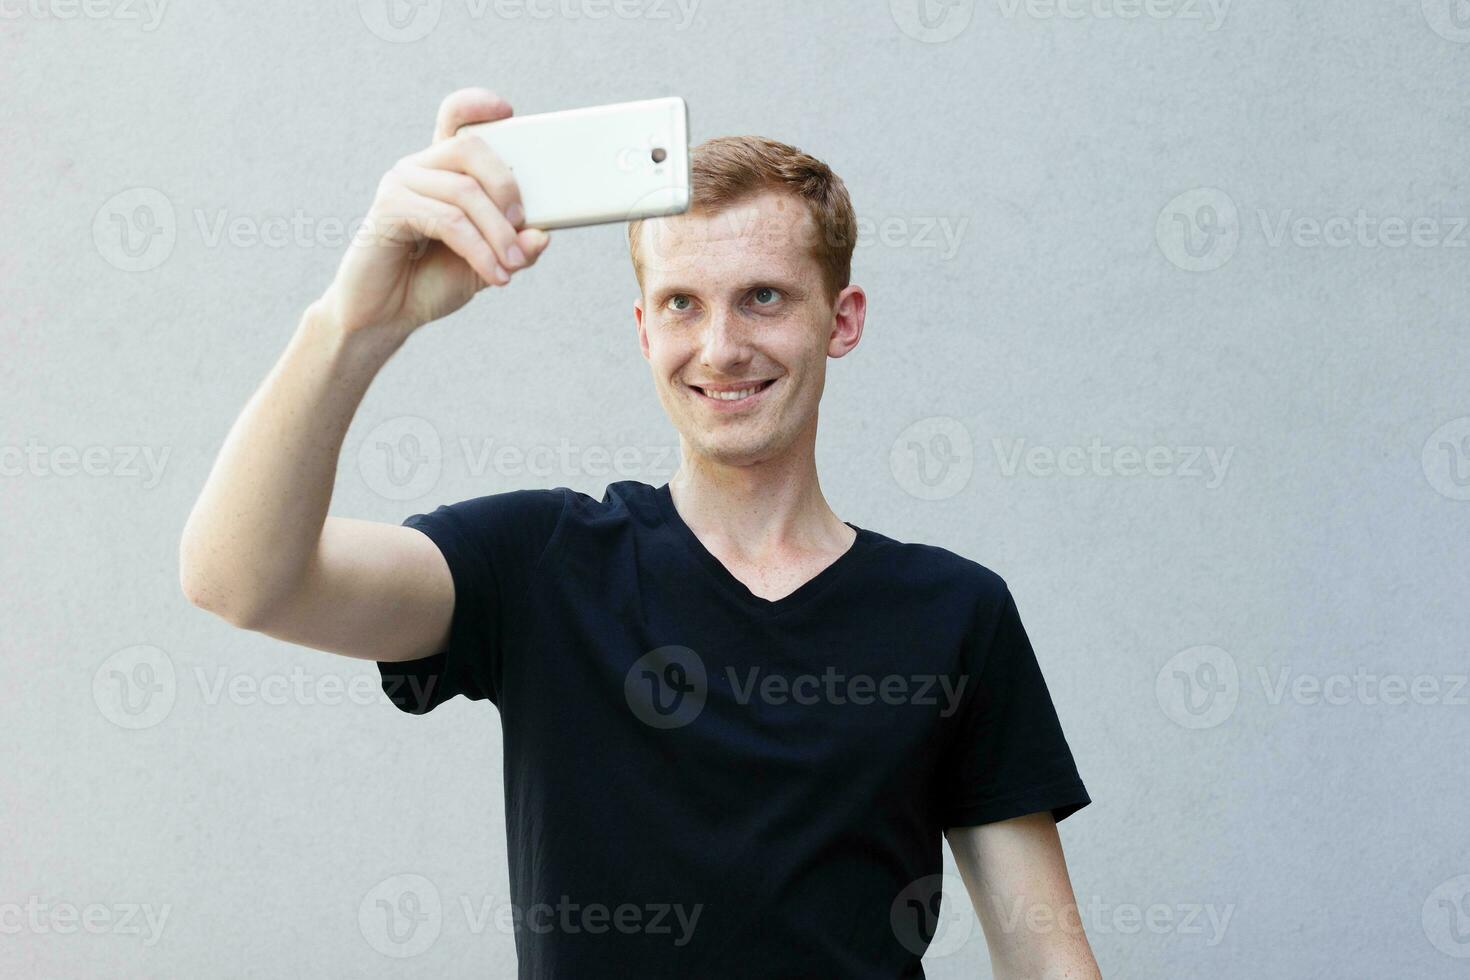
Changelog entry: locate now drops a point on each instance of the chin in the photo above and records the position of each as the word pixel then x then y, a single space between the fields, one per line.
pixel 731 452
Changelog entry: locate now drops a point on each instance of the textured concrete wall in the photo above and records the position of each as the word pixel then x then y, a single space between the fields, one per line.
pixel 1168 326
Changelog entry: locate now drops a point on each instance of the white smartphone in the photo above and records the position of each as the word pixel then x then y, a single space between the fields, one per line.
pixel 599 164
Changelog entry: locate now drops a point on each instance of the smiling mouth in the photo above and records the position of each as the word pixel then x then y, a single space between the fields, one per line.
pixel 734 396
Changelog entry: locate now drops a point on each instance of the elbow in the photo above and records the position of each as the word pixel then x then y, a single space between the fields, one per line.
pixel 219 602
pixel 205 588
pixel 204 593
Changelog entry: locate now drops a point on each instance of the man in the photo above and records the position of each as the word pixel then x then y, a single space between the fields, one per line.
pixel 735 726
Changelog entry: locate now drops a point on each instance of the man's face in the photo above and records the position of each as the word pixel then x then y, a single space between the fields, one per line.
pixel 736 325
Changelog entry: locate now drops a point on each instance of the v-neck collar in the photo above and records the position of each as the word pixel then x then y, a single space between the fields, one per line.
pixel 737 589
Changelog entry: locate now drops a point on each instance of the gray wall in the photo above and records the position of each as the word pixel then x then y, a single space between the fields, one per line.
pixel 1080 230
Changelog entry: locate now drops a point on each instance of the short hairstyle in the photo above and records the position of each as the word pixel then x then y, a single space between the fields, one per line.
pixel 727 170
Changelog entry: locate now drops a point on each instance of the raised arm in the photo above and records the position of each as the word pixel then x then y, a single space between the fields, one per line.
pixel 1016 875
pixel 259 549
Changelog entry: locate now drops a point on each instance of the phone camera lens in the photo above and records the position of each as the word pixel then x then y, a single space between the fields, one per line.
pixel 659 154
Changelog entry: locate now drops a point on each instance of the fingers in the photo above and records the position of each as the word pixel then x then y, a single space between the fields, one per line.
pixel 459 192
pixel 408 198
pixel 435 219
pixel 406 218
pixel 465 193
pixel 468 105
pixel 470 157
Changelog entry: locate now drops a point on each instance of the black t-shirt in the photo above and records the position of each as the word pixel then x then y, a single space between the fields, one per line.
pixel 700 782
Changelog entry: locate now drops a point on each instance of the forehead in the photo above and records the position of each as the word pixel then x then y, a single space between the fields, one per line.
pixel 770 233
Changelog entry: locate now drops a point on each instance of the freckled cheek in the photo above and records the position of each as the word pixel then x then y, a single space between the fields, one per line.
pixel 666 359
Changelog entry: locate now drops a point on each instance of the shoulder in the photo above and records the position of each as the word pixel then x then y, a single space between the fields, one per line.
pixel 930 568
pixel 549 509
pixel 622 503
pixel 951 601
pixel 536 507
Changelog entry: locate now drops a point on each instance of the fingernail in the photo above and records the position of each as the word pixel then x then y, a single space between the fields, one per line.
pixel 501 276
pixel 516 256
pixel 515 215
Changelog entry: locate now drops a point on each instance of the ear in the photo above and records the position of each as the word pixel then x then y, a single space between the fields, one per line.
pixel 848 313
pixel 642 331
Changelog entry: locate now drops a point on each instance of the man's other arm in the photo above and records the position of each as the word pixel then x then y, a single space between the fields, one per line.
pixel 1016 875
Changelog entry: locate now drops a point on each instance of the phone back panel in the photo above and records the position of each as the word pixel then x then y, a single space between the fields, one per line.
pixel 594 165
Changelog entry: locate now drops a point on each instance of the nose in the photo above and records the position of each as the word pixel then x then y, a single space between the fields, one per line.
pixel 724 347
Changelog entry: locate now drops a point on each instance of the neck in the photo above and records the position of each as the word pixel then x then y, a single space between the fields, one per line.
pixel 759 511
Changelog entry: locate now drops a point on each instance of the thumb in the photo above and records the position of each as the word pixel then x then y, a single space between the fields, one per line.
pixel 533 242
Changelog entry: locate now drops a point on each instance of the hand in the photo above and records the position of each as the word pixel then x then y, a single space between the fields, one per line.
pixel 445 223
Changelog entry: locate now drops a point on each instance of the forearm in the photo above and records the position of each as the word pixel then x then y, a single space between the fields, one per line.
pixel 1017 878
pixel 1075 964
pixel 258 521
pixel 1047 943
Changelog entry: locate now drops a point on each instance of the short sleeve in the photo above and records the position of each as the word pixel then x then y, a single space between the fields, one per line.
pixel 492 546
pixel 1007 756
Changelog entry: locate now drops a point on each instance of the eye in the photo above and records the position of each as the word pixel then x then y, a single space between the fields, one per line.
pixel 679 302
pixel 765 296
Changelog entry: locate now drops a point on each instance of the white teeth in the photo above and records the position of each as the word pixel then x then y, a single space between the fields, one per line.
pixel 731 396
